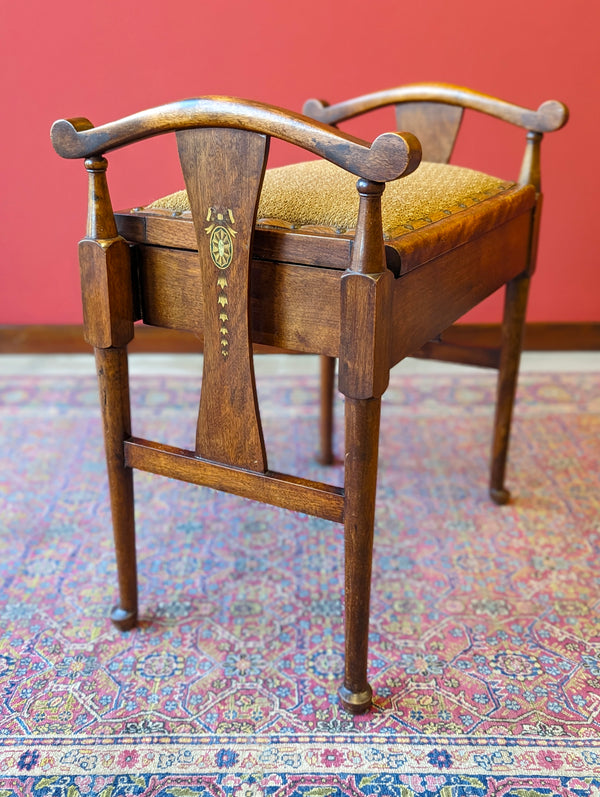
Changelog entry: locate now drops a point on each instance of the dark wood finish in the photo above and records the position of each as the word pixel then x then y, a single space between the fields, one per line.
pixel 303 247
pixel 360 484
pixel 434 113
pixel 426 243
pixel 353 297
pixel 364 376
pixel 278 489
pixel 111 366
pixel 327 372
pixel 515 306
pixel 223 171
pixel 292 307
pixel 390 156
pixel 550 116
pixel 105 268
pixel 432 297
pixel 531 168
pixel 515 309
pixel 435 125
pixel 365 304
pixel 402 254
pixel 108 312
pixel 466 354
pixel 107 309
pixel 68 339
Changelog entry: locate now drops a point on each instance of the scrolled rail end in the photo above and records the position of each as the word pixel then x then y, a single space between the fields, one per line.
pixel 65 138
pixel 554 115
pixel 395 155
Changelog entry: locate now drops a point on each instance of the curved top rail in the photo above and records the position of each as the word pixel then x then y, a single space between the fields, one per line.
pixel 390 156
pixel 551 115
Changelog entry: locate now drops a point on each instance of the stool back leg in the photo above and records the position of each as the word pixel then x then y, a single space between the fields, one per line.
pixel 515 306
pixel 325 456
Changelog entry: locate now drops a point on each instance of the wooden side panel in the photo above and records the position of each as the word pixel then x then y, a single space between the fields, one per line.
pixel 430 298
pixel 435 125
pixel 270 243
pixel 170 288
pixel 223 172
pixel 292 307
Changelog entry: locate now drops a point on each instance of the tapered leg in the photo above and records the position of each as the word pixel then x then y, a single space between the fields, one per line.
pixel 515 306
pixel 113 382
pixel 326 422
pixel 362 443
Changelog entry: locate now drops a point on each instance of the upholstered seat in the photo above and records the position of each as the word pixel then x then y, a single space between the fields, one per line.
pixel 318 197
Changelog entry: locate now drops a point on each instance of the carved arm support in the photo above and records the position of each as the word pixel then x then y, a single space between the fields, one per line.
pixel 551 115
pixel 390 156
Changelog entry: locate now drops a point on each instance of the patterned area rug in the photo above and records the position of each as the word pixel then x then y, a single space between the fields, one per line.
pixel 485 635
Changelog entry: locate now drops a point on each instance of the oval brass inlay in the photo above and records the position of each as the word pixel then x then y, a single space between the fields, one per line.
pixel 221 247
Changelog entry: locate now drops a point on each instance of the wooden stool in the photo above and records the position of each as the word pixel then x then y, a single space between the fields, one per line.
pixel 296 259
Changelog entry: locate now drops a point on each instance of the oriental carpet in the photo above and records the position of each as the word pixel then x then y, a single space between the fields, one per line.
pixel 485 631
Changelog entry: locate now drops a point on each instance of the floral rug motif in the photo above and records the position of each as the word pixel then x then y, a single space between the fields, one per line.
pixel 485 629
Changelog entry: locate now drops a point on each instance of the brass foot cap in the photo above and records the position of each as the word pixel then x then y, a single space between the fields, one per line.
pixel 123 619
pixel 500 497
pixel 356 702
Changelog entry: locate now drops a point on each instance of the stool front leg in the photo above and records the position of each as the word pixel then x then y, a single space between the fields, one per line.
pixel 113 383
pixel 364 363
pixel 362 446
pixel 108 313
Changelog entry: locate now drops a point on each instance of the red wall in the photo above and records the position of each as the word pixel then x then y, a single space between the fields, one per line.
pixel 107 59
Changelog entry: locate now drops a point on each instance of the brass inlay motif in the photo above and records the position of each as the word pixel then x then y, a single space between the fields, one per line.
pixel 220 246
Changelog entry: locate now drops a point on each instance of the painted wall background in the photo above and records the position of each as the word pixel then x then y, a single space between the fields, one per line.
pixel 107 58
